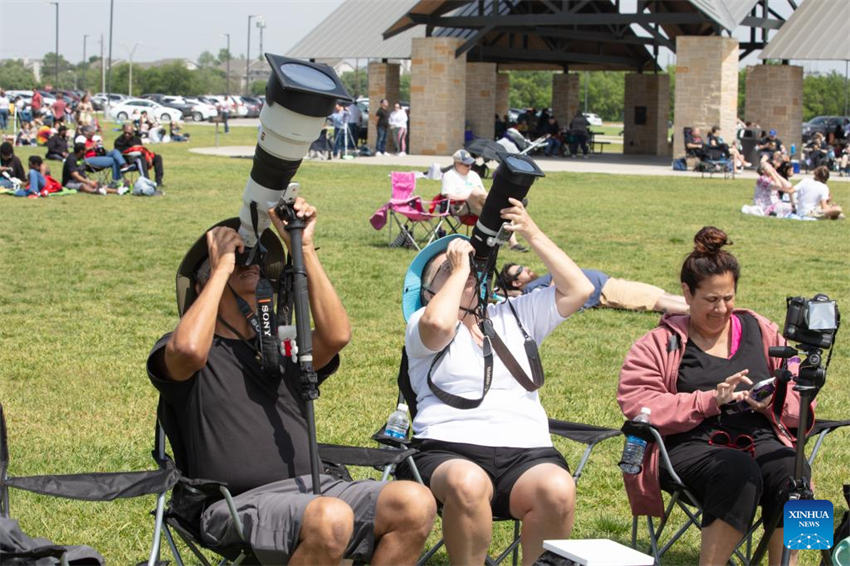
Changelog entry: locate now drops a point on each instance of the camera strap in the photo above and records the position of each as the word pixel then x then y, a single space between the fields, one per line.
pixel 456 401
pixel 263 324
pixel 492 342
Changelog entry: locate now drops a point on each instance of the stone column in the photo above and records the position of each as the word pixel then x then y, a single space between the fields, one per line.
pixel 564 97
pixel 775 100
pixel 647 106
pixel 383 83
pixel 481 98
pixel 503 91
pixel 437 96
pixel 706 86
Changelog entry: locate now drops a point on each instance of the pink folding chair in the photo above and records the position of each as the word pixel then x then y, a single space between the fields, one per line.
pixel 417 227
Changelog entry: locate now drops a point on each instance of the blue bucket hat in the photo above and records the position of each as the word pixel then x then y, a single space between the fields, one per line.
pixel 411 299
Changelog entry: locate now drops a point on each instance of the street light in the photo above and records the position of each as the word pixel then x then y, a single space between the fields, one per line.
pixel 248 54
pixel 84 66
pixel 261 25
pixel 56 61
pixel 131 51
pixel 227 88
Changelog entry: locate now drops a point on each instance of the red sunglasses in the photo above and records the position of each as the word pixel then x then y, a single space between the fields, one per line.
pixel 742 442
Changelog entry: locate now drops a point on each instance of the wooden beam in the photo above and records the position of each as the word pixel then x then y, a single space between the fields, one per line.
pixel 558 56
pixel 472 41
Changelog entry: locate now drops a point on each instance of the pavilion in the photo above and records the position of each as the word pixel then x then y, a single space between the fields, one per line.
pixel 460 49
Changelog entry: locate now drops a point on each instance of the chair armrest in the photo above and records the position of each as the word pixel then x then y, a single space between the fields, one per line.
pixel 361 456
pixel 581 432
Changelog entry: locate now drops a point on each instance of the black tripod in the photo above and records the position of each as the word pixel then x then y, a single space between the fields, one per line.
pixel 810 378
pixel 308 380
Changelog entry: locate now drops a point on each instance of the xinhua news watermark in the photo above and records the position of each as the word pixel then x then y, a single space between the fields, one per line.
pixel 808 524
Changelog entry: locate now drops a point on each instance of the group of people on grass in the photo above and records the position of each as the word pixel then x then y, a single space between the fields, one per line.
pixel 79 160
pixel 484 451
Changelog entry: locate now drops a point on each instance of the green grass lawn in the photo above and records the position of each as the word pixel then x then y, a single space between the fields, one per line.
pixel 87 287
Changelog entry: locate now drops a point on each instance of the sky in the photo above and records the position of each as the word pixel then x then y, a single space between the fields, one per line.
pixel 160 29
pixel 163 29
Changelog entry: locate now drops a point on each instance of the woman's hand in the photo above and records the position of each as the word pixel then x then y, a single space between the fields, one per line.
pixel 725 392
pixel 520 221
pixel 458 253
pixel 304 211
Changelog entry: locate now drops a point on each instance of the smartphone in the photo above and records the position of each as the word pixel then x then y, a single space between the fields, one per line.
pixel 759 392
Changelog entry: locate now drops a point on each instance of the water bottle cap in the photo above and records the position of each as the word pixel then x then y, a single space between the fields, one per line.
pixel 402 407
pixel 646 410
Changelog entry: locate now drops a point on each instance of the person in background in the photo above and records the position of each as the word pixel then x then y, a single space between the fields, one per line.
pixel 609 292
pixel 36 178
pixel 578 134
pixel 74 175
pixel 129 142
pixel 398 128
pixel 36 103
pixel 10 167
pixel 4 109
pixel 57 144
pixel 382 124
pixel 813 200
pixel 59 108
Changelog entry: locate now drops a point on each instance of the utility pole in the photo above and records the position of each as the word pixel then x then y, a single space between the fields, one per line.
pixel 84 66
pixel 130 82
pixel 248 56
pixel 103 72
pixel 56 52
pixel 261 24
pixel 227 79
pixel 109 62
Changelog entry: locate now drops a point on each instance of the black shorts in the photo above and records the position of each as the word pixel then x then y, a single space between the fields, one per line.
pixel 503 465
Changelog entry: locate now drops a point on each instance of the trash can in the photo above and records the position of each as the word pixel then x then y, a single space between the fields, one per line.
pixel 795 166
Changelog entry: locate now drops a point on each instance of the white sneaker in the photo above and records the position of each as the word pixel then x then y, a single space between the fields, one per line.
pixel 101 191
pixel 401 153
pixel 122 190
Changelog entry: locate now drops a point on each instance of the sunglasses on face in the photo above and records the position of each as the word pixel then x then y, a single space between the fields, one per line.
pixel 743 442
pixel 517 273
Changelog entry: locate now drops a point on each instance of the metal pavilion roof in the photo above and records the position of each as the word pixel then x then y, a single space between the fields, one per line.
pixel 817 30
pixel 554 34
pixel 354 30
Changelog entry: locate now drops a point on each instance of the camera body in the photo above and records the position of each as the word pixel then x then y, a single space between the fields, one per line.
pixel 811 322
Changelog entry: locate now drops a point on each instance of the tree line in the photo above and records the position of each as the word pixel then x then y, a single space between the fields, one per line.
pixel 604 91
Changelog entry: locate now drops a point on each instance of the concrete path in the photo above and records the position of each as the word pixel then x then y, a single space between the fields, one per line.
pixel 613 163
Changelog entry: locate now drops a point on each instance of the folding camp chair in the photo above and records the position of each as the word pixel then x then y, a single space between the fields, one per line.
pixel 678 495
pixel 589 435
pixel 417 227
pixel 87 487
pixel 452 218
pixel 716 160
pixel 181 515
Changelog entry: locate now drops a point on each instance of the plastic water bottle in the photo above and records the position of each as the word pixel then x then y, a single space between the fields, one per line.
pixel 398 423
pixel 634 448
pixel 793 149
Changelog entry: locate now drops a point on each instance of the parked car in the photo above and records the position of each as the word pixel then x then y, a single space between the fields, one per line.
pixel 200 110
pixel 124 110
pixel 363 104
pixel 253 106
pixel 592 119
pixel 113 97
pixel 822 124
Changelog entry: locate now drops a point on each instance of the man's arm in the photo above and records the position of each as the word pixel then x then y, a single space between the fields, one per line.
pixel 189 345
pixel 572 287
pixel 332 329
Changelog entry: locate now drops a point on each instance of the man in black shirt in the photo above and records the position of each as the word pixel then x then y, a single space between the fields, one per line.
pixel 10 167
pixel 74 173
pixel 129 139
pixel 229 421
pixel 57 145
pixel 382 123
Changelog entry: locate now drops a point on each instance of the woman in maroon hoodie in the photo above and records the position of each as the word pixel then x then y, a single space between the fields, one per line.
pixel 689 371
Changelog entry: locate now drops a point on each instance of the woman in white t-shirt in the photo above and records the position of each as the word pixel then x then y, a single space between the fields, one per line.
pixel 489 453
pixel 398 128
pixel 813 199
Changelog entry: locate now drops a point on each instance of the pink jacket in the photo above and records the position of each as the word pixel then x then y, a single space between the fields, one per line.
pixel 648 379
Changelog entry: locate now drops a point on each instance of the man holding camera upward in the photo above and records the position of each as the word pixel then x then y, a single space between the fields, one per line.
pixel 240 426
pixel 494 457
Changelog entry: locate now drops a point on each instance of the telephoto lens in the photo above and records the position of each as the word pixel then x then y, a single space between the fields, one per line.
pixel 512 179
pixel 299 96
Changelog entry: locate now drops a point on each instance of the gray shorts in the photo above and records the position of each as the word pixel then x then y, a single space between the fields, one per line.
pixel 272 514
